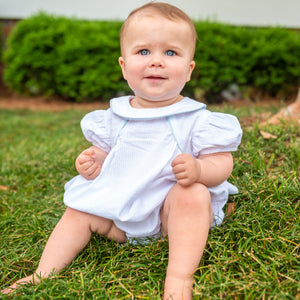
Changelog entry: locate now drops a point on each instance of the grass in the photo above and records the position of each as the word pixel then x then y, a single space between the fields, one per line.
pixel 254 254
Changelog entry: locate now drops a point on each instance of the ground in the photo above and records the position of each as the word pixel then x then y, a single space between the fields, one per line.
pixel 10 100
pixel 15 101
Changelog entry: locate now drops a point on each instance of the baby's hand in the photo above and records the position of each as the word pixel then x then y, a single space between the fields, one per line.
pixel 186 169
pixel 87 165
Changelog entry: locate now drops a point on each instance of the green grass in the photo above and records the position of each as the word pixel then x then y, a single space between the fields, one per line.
pixel 253 255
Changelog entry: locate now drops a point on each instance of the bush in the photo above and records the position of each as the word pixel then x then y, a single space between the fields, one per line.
pixel 1 45
pixel 77 59
pixel 263 58
pixel 64 57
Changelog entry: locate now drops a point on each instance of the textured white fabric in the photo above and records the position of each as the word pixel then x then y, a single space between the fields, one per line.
pixel 137 175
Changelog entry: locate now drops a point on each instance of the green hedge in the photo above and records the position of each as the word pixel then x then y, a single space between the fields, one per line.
pixel 77 59
pixel 64 57
pixel 264 58
pixel 1 45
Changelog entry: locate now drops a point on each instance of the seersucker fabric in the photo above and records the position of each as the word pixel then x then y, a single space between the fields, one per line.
pixel 141 145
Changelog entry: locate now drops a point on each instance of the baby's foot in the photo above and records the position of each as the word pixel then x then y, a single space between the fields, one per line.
pixel 18 284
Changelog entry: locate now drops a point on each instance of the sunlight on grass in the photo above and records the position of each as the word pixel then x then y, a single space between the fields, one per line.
pixel 253 255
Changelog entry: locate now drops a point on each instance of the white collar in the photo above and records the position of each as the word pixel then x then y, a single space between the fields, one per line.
pixel 121 107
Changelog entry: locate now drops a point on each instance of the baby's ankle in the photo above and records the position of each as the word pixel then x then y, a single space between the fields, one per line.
pixel 178 288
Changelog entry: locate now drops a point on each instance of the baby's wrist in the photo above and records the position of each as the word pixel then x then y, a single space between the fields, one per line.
pixel 198 170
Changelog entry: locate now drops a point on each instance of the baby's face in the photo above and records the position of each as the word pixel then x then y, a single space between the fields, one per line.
pixel 157 59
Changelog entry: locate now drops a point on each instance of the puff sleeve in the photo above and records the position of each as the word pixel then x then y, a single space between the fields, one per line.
pixel 217 132
pixel 96 129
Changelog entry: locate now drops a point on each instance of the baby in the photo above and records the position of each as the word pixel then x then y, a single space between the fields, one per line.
pixel 159 162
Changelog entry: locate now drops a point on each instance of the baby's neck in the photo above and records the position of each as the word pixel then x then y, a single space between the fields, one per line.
pixel 138 102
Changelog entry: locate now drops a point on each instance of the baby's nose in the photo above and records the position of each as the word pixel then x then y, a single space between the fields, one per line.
pixel 157 61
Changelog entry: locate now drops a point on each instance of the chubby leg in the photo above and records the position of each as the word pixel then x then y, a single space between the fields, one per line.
pixel 69 237
pixel 186 218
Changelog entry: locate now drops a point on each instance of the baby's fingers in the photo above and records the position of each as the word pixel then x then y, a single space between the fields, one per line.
pixel 86 155
pixel 184 182
pixel 178 168
pixel 92 172
pixel 92 168
pixel 83 158
pixel 89 152
pixel 97 171
pixel 86 164
pixel 179 159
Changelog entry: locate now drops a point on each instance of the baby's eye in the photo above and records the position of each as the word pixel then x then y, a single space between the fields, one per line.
pixel 144 52
pixel 170 53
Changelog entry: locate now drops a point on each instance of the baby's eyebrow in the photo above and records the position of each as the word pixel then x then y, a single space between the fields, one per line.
pixel 175 48
pixel 140 46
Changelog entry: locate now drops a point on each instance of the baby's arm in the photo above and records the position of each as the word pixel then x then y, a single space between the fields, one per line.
pixel 209 169
pixel 89 162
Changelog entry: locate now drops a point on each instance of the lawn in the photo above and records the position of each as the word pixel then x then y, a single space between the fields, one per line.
pixel 254 254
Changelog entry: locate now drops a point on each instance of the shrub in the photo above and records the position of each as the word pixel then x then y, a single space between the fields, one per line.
pixel 77 59
pixel 263 58
pixel 65 57
pixel 1 45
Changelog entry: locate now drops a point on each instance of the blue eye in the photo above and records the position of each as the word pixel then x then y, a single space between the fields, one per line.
pixel 170 53
pixel 144 52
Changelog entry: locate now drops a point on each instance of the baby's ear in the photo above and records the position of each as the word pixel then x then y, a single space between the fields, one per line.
pixel 192 66
pixel 122 65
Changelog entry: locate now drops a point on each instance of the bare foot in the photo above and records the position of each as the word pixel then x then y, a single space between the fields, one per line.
pixel 35 279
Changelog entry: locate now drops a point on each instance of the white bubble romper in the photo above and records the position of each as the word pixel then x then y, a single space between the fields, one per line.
pixel 137 175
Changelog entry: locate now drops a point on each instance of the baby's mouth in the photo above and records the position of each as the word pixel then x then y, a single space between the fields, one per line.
pixel 155 77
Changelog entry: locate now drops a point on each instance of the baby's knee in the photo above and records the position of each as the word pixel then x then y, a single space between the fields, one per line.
pixel 194 195
pixel 78 219
pixel 192 200
pixel 73 214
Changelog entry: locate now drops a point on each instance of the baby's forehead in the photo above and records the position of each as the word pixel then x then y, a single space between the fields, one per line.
pixel 141 15
pixel 141 19
pixel 146 12
pixel 138 18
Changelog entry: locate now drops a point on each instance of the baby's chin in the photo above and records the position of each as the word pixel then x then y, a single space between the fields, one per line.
pixel 153 102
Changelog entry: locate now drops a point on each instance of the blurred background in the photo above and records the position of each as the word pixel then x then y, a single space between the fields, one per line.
pixel 69 48
pixel 238 12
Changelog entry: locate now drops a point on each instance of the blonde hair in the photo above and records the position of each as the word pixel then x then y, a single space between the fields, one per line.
pixel 165 10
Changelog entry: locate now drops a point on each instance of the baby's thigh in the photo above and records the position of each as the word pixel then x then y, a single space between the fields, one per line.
pixel 107 228
pixel 92 223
